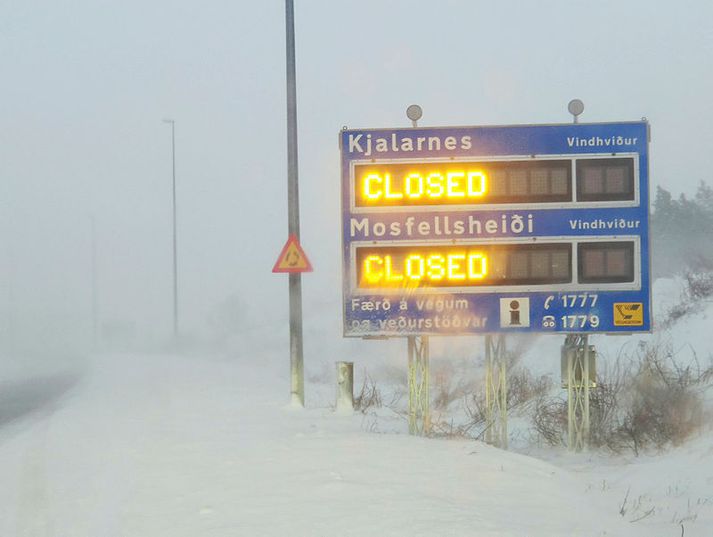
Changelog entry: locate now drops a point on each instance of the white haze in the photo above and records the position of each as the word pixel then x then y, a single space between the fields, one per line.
pixel 86 84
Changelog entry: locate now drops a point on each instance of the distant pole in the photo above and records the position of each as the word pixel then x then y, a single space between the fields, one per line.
pixel 175 237
pixel 11 297
pixel 293 215
pixel 95 300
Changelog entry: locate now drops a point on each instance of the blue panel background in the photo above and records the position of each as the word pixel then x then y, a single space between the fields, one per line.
pixel 499 141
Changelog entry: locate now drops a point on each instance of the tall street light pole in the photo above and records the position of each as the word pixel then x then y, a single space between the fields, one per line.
pixel 175 240
pixel 293 214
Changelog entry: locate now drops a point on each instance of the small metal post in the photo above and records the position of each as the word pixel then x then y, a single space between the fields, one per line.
pixel 345 387
pixel 496 426
pixel 419 411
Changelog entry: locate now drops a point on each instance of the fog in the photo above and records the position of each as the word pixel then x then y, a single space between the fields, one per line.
pixel 87 83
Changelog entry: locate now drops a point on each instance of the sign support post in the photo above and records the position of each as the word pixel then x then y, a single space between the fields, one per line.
pixel 419 406
pixel 419 400
pixel 577 351
pixel 496 415
pixel 296 359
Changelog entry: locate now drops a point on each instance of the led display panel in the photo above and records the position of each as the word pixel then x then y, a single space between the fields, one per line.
pixel 462 183
pixel 605 179
pixel 606 262
pixel 463 266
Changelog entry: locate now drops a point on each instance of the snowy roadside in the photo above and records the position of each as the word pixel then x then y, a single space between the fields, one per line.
pixel 664 494
pixel 168 445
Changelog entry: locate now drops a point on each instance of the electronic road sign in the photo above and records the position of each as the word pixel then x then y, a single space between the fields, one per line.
pixel 525 228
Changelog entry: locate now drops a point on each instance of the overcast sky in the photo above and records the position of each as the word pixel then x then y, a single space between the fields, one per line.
pixel 86 83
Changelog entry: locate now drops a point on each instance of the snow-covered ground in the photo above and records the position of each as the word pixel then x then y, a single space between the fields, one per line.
pixel 170 445
pixel 189 445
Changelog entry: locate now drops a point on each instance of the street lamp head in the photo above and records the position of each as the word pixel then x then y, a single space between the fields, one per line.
pixel 168 120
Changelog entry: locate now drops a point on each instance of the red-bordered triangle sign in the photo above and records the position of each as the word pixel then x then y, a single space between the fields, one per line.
pixel 292 258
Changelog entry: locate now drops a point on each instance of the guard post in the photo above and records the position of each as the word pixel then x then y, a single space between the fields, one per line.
pixel 345 387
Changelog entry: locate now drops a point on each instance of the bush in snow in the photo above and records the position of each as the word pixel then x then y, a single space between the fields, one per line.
pixel 648 400
pixel 681 229
pixel 663 404
pixel 451 381
pixel 523 388
pixel 549 420
pixel 369 397
pixel 697 286
pixel 699 279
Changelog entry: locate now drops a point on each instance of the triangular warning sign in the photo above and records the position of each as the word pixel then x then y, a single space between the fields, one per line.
pixel 292 258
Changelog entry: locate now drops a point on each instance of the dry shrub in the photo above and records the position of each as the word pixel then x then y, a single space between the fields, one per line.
pixel 698 286
pixel 368 397
pixel 451 429
pixel 549 419
pixel 605 403
pixel 651 401
pixel 676 312
pixel 472 426
pixel 523 387
pixel 447 386
pixel 664 402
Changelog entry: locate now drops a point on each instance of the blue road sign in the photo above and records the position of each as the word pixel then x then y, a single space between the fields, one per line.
pixel 526 228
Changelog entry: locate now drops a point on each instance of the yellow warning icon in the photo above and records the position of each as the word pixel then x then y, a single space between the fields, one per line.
pixel 628 314
pixel 292 258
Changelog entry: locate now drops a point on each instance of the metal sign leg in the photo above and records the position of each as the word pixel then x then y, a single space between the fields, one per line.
pixel 578 383
pixel 419 412
pixel 496 427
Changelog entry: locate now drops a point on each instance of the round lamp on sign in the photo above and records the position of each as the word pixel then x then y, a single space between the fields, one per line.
pixel 575 107
pixel 414 113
